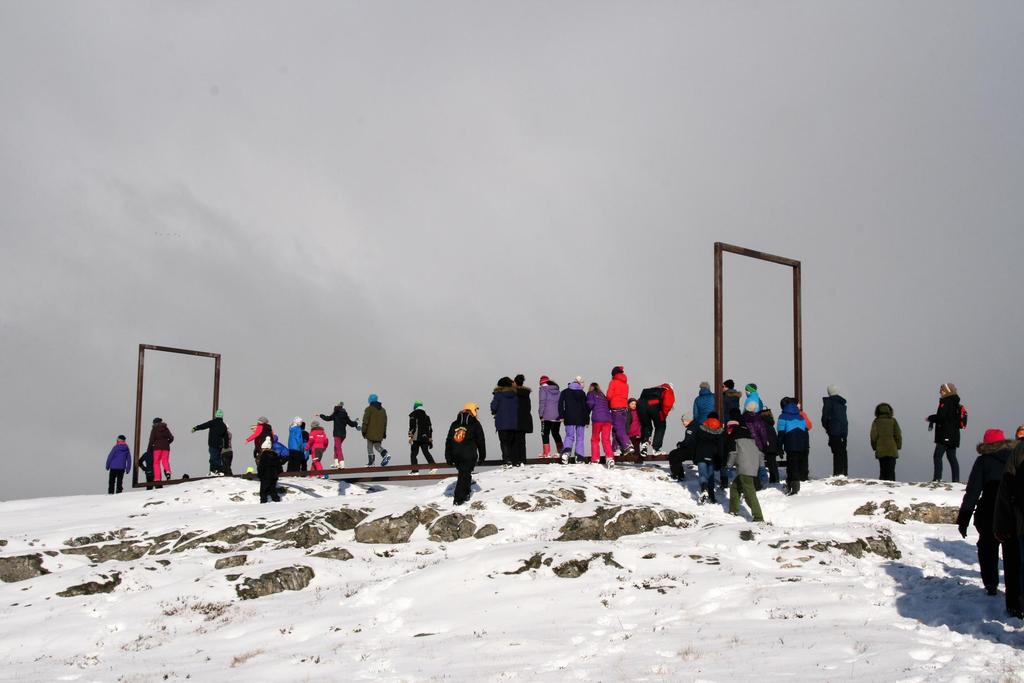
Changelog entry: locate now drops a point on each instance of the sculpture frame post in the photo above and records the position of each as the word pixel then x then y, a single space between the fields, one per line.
pixel 798 352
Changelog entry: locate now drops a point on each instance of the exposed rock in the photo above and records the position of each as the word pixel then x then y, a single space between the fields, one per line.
pixel 576 495
pixel 228 562
pixel 609 524
pixel 93 587
pixel 125 551
pixel 427 515
pixel 532 563
pixel 335 554
pixel 21 568
pixel 477 505
pixel 299 532
pixel 344 519
pixel 927 513
pixel 868 508
pixel 286 579
pixel 101 537
pixel 231 536
pixel 389 529
pixel 485 531
pixel 574 569
pixel 747 535
pixel 882 546
pixel 452 527
pixel 516 504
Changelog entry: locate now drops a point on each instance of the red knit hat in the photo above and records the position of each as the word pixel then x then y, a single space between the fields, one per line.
pixel 993 436
pixel 544 380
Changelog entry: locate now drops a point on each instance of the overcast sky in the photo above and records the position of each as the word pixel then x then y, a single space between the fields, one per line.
pixel 414 199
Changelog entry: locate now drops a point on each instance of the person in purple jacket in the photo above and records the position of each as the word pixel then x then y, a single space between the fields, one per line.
pixel 550 419
pixel 119 461
pixel 601 432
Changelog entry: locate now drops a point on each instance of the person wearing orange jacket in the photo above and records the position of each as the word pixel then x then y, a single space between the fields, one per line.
pixel 618 403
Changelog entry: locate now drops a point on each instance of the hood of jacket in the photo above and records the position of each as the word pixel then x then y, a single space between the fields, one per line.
pixel 575 386
pixel 791 411
pixel 712 427
pixel 883 410
pixel 837 399
pixel 1001 450
pixel 504 390
pixel 704 391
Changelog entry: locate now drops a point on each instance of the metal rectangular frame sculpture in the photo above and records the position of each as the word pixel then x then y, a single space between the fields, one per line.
pixel 798 358
pixel 138 396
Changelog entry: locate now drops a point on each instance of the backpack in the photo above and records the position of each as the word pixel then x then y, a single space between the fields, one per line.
pixel 963 417
pixel 460 433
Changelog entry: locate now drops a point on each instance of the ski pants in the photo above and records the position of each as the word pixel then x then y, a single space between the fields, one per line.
pixel 772 462
pixel 115 480
pixel 675 463
pixel 574 435
pixel 600 435
pixel 551 429
pixel 840 466
pixel 268 488
pixel 796 468
pixel 519 448
pixel 887 469
pixel 339 455
pixel 161 464
pixel 619 429
pixel 372 446
pixel 942 449
pixel 652 424
pixel 417 446
pixel 744 483
pixel 215 463
pixel 295 461
pixel 465 467
pixel 988 558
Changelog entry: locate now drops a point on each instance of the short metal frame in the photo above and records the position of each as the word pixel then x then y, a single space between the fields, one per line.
pixel 138 396
pixel 798 354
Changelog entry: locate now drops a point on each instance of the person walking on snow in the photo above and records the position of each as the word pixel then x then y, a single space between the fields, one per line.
pixel 160 439
pixel 421 435
pixel 572 404
pixel 375 430
pixel 341 422
pixel 748 459
pixel 792 429
pixel 464 447
pixel 316 447
pixel 601 431
pixel 886 441
pixel 994 452
pixel 524 421
pixel 295 446
pixel 836 426
pixel 1008 516
pixel 947 422
pixel 654 405
pixel 119 461
pixel 505 409
pixel 550 420
pixel 618 402
pixel 214 440
pixel 704 404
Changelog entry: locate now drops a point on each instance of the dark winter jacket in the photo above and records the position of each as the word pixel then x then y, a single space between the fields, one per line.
pixel 375 422
pixel 146 463
pixel 120 458
pixel 597 403
pixel 341 421
pixel 688 446
pixel 656 402
pixel 886 436
pixel 731 399
pixel 465 443
pixel 792 430
pixel 218 432
pixel 946 421
pixel 420 429
pixel 524 422
pixel 758 430
pixel 269 462
pixel 547 402
pixel 1009 510
pixel 710 444
pixel 703 405
pixel 774 446
pixel 983 484
pixel 505 408
pixel 160 437
pixel 260 433
pixel 572 404
pixel 833 416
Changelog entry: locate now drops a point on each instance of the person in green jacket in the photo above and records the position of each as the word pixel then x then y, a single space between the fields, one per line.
pixel 886 441
pixel 375 430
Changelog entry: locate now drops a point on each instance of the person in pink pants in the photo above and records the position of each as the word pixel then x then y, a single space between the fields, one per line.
pixel 601 432
pixel 160 439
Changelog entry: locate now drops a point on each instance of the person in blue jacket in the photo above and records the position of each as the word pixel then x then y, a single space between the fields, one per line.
pixel 704 404
pixel 753 395
pixel 119 461
pixel 793 436
pixel 296 447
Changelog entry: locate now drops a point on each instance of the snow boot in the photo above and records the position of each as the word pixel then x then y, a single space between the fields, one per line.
pixel 565 457
pixel 711 495
pixel 385 459
pixel 609 463
pixel 547 451
pixel 703 495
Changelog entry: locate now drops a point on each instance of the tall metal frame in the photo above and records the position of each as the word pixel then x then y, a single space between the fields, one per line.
pixel 798 353
pixel 138 394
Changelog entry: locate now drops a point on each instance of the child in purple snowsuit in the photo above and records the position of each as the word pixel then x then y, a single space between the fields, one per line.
pixel 572 405
pixel 119 461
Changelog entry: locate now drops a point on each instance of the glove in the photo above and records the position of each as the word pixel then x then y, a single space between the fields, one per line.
pixel 430 443
pixel 193 429
pixel 963 530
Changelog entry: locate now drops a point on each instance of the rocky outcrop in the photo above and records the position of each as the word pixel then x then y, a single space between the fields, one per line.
pixel 286 579
pixel 609 524
pixel 485 531
pixel 881 545
pixel 229 562
pixel 344 519
pixel 21 568
pixel 391 529
pixel 452 527
pixel 927 513
pixel 93 587
pixel 335 554
pixel 573 569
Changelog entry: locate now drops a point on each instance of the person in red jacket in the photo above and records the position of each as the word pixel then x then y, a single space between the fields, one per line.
pixel 618 402
pixel 316 446
pixel 654 405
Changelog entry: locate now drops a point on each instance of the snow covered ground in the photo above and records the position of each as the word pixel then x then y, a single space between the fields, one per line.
pixel 816 594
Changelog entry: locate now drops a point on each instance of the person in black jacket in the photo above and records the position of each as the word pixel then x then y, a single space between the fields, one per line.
pixel 993 454
pixel 709 455
pixel 572 406
pixel 684 450
pixel 421 435
pixel 836 425
pixel 214 440
pixel 525 421
pixel 947 422
pixel 341 422
pixel 464 448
